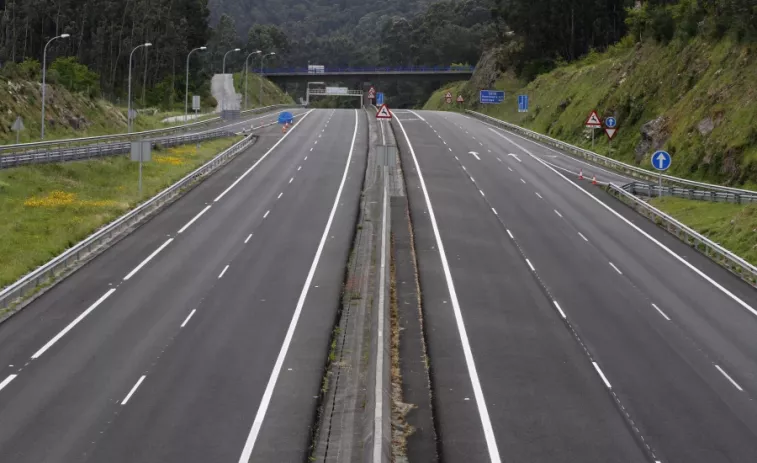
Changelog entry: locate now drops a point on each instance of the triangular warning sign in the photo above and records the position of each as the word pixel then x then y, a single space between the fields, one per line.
pixel 460 98
pixel 448 95
pixel 383 113
pixel 372 93
pixel 611 133
pixel 593 121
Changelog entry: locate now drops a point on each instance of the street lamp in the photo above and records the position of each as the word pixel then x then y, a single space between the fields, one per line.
pixel 44 76
pixel 186 91
pixel 223 71
pixel 246 67
pixel 128 112
pixel 260 93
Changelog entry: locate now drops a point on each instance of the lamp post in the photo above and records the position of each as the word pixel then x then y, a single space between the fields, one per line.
pixel 44 76
pixel 186 91
pixel 260 93
pixel 128 112
pixel 223 71
pixel 246 67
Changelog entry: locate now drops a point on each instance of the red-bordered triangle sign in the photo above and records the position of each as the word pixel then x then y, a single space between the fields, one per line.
pixel 593 121
pixel 383 112
pixel 610 132
pixel 448 95
pixel 460 98
pixel 372 93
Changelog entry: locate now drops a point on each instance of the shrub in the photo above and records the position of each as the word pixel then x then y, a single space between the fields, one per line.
pixel 75 76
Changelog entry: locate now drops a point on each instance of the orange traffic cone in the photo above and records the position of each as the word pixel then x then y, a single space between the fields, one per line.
pixel 594 180
pixel 581 174
pixel 284 128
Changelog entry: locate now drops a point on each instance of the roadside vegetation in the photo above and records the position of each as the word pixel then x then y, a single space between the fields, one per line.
pixel 272 94
pixel 50 207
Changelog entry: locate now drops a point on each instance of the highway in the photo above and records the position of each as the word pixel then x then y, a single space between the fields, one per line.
pixel 561 326
pixel 203 335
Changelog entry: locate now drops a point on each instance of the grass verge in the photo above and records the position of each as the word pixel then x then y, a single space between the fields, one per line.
pixel 733 226
pixel 48 208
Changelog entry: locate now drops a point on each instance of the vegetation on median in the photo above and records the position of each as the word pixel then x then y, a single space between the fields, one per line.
pixel 47 208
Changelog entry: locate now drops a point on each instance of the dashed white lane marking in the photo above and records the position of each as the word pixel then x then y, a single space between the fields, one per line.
pixel 537 194
pixel 298 168
pixel 559 309
pixel 465 169
pixel 444 142
pixel 148 259
pixel 661 312
pixel 319 135
pixel 523 181
pixel 509 168
pixel 495 211
pixel 449 149
pixel 498 159
pixel 558 213
pixel 616 268
pixel 601 375
pixel 266 214
pixel 133 390
pixel 510 234
pixel 280 194
pixel 735 384
pixel 482 193
pixel 290 180
pixel 316 142
pixel 530 265
pixel 273 379
pixel 186 320
pixel 456 158
pixel 7 381
pixel 311 149
pixel 306 158
pixel 582 236
pixel 222 272
pixel 475 155
pixel 71 325
pixel 248 238
pixel 189 224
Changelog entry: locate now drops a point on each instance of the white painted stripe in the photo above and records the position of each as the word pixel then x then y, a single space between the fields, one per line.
pixel 616 268
pixel 537 194
pixel 262 157
pixel 509 168
pixel 194 219
pixel 311 149
pixel 482 193
pixel 498 159
pixel 144 262
pixel 378 414
pixel 188 317
pixel 71 325
pixel 475 156
pixel 558 213
pixel 444 142
pixel 735 384
pixel 223 271
pixel 510 234
pixel 495 211
pixel 680 259
pixel 248 238
pixel 530 265
pixel 559 309
pixel 449 149
pixel 290 180
pixel 601 375
pixel 133 390
pixel 661 312
pixel 266 214
pixel 280 195
pixel 582 236
pixel 464 168
pixel 7 381
pixel 419 117
pixel 299 167
pixel 456 158
pixel 523 181
pixel 306 158
pixel 468 353
pixel 268 393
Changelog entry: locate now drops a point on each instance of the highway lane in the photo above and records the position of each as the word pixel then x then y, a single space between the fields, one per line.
pixel 175 363
pixel 510 383
pixel 678 351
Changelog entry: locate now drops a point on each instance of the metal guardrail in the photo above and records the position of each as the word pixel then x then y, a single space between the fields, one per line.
pixel 654 191
pixel 711 249
pixel 632 171
pixel 371 70
pixel 95 242
pixel 24 148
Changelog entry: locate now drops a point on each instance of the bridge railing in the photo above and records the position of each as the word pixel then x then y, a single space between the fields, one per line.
pixel 373 69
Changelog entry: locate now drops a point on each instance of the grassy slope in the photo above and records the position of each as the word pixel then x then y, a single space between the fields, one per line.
pixel 272 94
pixel 684 82
pixel 49 207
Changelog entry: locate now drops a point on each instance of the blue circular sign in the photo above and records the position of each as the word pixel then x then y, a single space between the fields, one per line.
pixel 661 160
pixel 610 123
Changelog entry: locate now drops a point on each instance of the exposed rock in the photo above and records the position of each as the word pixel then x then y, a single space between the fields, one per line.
pixel 77 122
pixel 706 126
pixel 653 136
pixel 563 104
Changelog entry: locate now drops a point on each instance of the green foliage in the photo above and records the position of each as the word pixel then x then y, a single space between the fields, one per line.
pixel 75 76
pixel 29 69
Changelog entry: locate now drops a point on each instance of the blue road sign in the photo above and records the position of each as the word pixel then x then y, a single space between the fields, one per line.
pixel 522 103
pixel 611 123
pixel 661 160
pixel 491 96
pixel 379 98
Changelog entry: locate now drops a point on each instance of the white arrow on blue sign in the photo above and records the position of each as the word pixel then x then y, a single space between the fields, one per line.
pixel 611 123
pixel 379 98
pixel 661 160
pixel 522 103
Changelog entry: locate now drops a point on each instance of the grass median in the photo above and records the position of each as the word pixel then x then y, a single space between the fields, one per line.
pixel 733 226
pixel 48 208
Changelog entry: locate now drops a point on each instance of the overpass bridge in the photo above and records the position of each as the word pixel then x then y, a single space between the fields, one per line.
pixel 358 75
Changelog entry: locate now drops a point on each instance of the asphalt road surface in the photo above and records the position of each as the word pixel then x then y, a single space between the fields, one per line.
pixel 202 336
pixel 561 327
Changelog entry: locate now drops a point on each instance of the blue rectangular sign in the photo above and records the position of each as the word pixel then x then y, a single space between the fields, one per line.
pixel 522 103
pixel 491 96
pixel 379 98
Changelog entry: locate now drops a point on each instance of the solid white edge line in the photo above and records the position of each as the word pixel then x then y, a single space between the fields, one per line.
pixel 530 265
pixel 148 259
pixel 266 399
pixel 266 214
pixel 133 390
pixel 601 375
pixel 248 238
pixel 71 325
pixel 419 117
pixel 616 268
pixel 558 213
pixel 661 312
pixel 559 309
pixel 186 320
pixel 644 234
pixel 582 236
pixel 262 157
pixel 378 416
pixel 188 224
pixel 223 271
pixel 735 384
pixel 468 353
pixel 7 381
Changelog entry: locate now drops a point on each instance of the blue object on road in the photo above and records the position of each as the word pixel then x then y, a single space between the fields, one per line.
pixel 661 160
pixel 522 103
pixel 379 98
pixel 611 123
pixel 491 96
pixel 286 118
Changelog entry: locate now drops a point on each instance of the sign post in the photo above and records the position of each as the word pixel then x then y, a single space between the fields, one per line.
pixel 593 123
pixel 141 151
pixel 17 127
pixel 491 96
pixel 661 161
pixel 371 94
pixel 522 103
